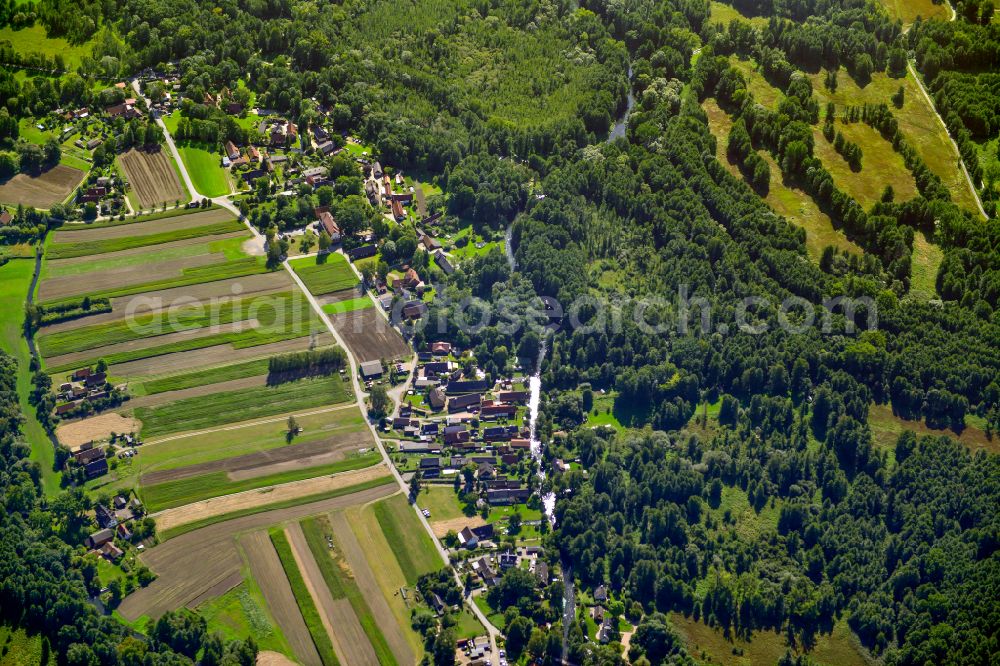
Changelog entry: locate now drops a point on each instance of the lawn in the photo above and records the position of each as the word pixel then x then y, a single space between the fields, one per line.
pixel 441 501
pixel 242 612
pixel 57 250
pixel 603 413
pixel 836 649
pixel 284 504
pixel 495 618
pixel 349 305
pixel 241 405
pixel 205 168
pixel 321 639
pixel 235 440
pixel 468 239
pixel 468 625
pixel 407 538
pixel 35 40
pixel 336 575
pixel 334 274
pixel 172 494
pixel 15 280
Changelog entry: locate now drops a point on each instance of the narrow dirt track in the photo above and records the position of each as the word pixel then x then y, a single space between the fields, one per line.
pixel 191 563
pixel 365 579
pixel 349 640
pixel 265 567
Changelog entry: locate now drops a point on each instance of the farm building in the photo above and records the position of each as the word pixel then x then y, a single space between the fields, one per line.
pixel 371 369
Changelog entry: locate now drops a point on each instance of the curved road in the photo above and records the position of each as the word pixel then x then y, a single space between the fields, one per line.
pixel 224 202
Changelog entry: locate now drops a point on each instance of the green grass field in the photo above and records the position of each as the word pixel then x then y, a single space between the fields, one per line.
pixel 193 489
pixel 268 310
pixel 242 612
pixel 441 501
pixel 334 274
pixel 926 260
pixel 189 276
pixel 205 168
pixel 307 606
pixel 19 648
pixel 15 279
pixel 205 377
pixel 342 585
pixel 235 441
pixel 349 305
pixel 409 542
pixel 230 248
pixel 35 40
pixel 241 405
pixel 284 504
pixel 58 250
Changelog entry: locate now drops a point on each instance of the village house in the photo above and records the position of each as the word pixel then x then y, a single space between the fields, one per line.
pixel 507 496
pixel 232 152
pixel 464 403
pixel 467 386
pixel 436 398
pixel 454 435
pixel 99 538
pixel 327 223
pixel 442 261
pixel 362 252
pixel 371 370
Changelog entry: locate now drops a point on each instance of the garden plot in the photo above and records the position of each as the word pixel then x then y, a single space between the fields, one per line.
pixel 153 177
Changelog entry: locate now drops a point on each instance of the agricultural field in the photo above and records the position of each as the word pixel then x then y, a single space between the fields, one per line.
pixel 153 177
pixel 44 190
pixel 243 611
pixel 369 336
pixel 326 275
pixel 205 563
pixel 787 199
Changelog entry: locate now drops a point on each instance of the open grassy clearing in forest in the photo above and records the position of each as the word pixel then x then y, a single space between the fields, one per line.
pixel 839 648
pixel 242 405
pixel 907 11
pixel 887 427
pixel 926 260
pixel 44 190
pixel 789 201
pixel 880 165
pixel 407 539
pixel 153 177
pixel 19 648
pixel 917 122
pixel 34 39
pixel 763 91
pixel 333 274
pixel 726 14
pixel 15 281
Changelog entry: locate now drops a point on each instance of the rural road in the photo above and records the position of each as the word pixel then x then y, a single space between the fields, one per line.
pixel 224 202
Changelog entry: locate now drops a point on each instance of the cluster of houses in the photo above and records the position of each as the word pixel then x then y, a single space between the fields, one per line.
pixel 489 569
pixel 464 420
pixel 114 523
pixel 85 385
pixel 602 618
pixel 102 193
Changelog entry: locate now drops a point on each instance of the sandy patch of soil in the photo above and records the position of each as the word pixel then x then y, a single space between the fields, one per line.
pixel 442 527
pixel 75 433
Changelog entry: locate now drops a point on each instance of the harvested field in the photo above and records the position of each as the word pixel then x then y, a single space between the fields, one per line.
pixel 265 567
pixel 215 355
pixel 193 562
pixel 220 506
pixel 262 463
pixel 197 391
pixel 44 190
pixel 442 527
pixel 75 433
pixel 269 658
pixel 153 177
pixel 137 229
pixel 337 615
pixel 372 594
pixel 369 336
